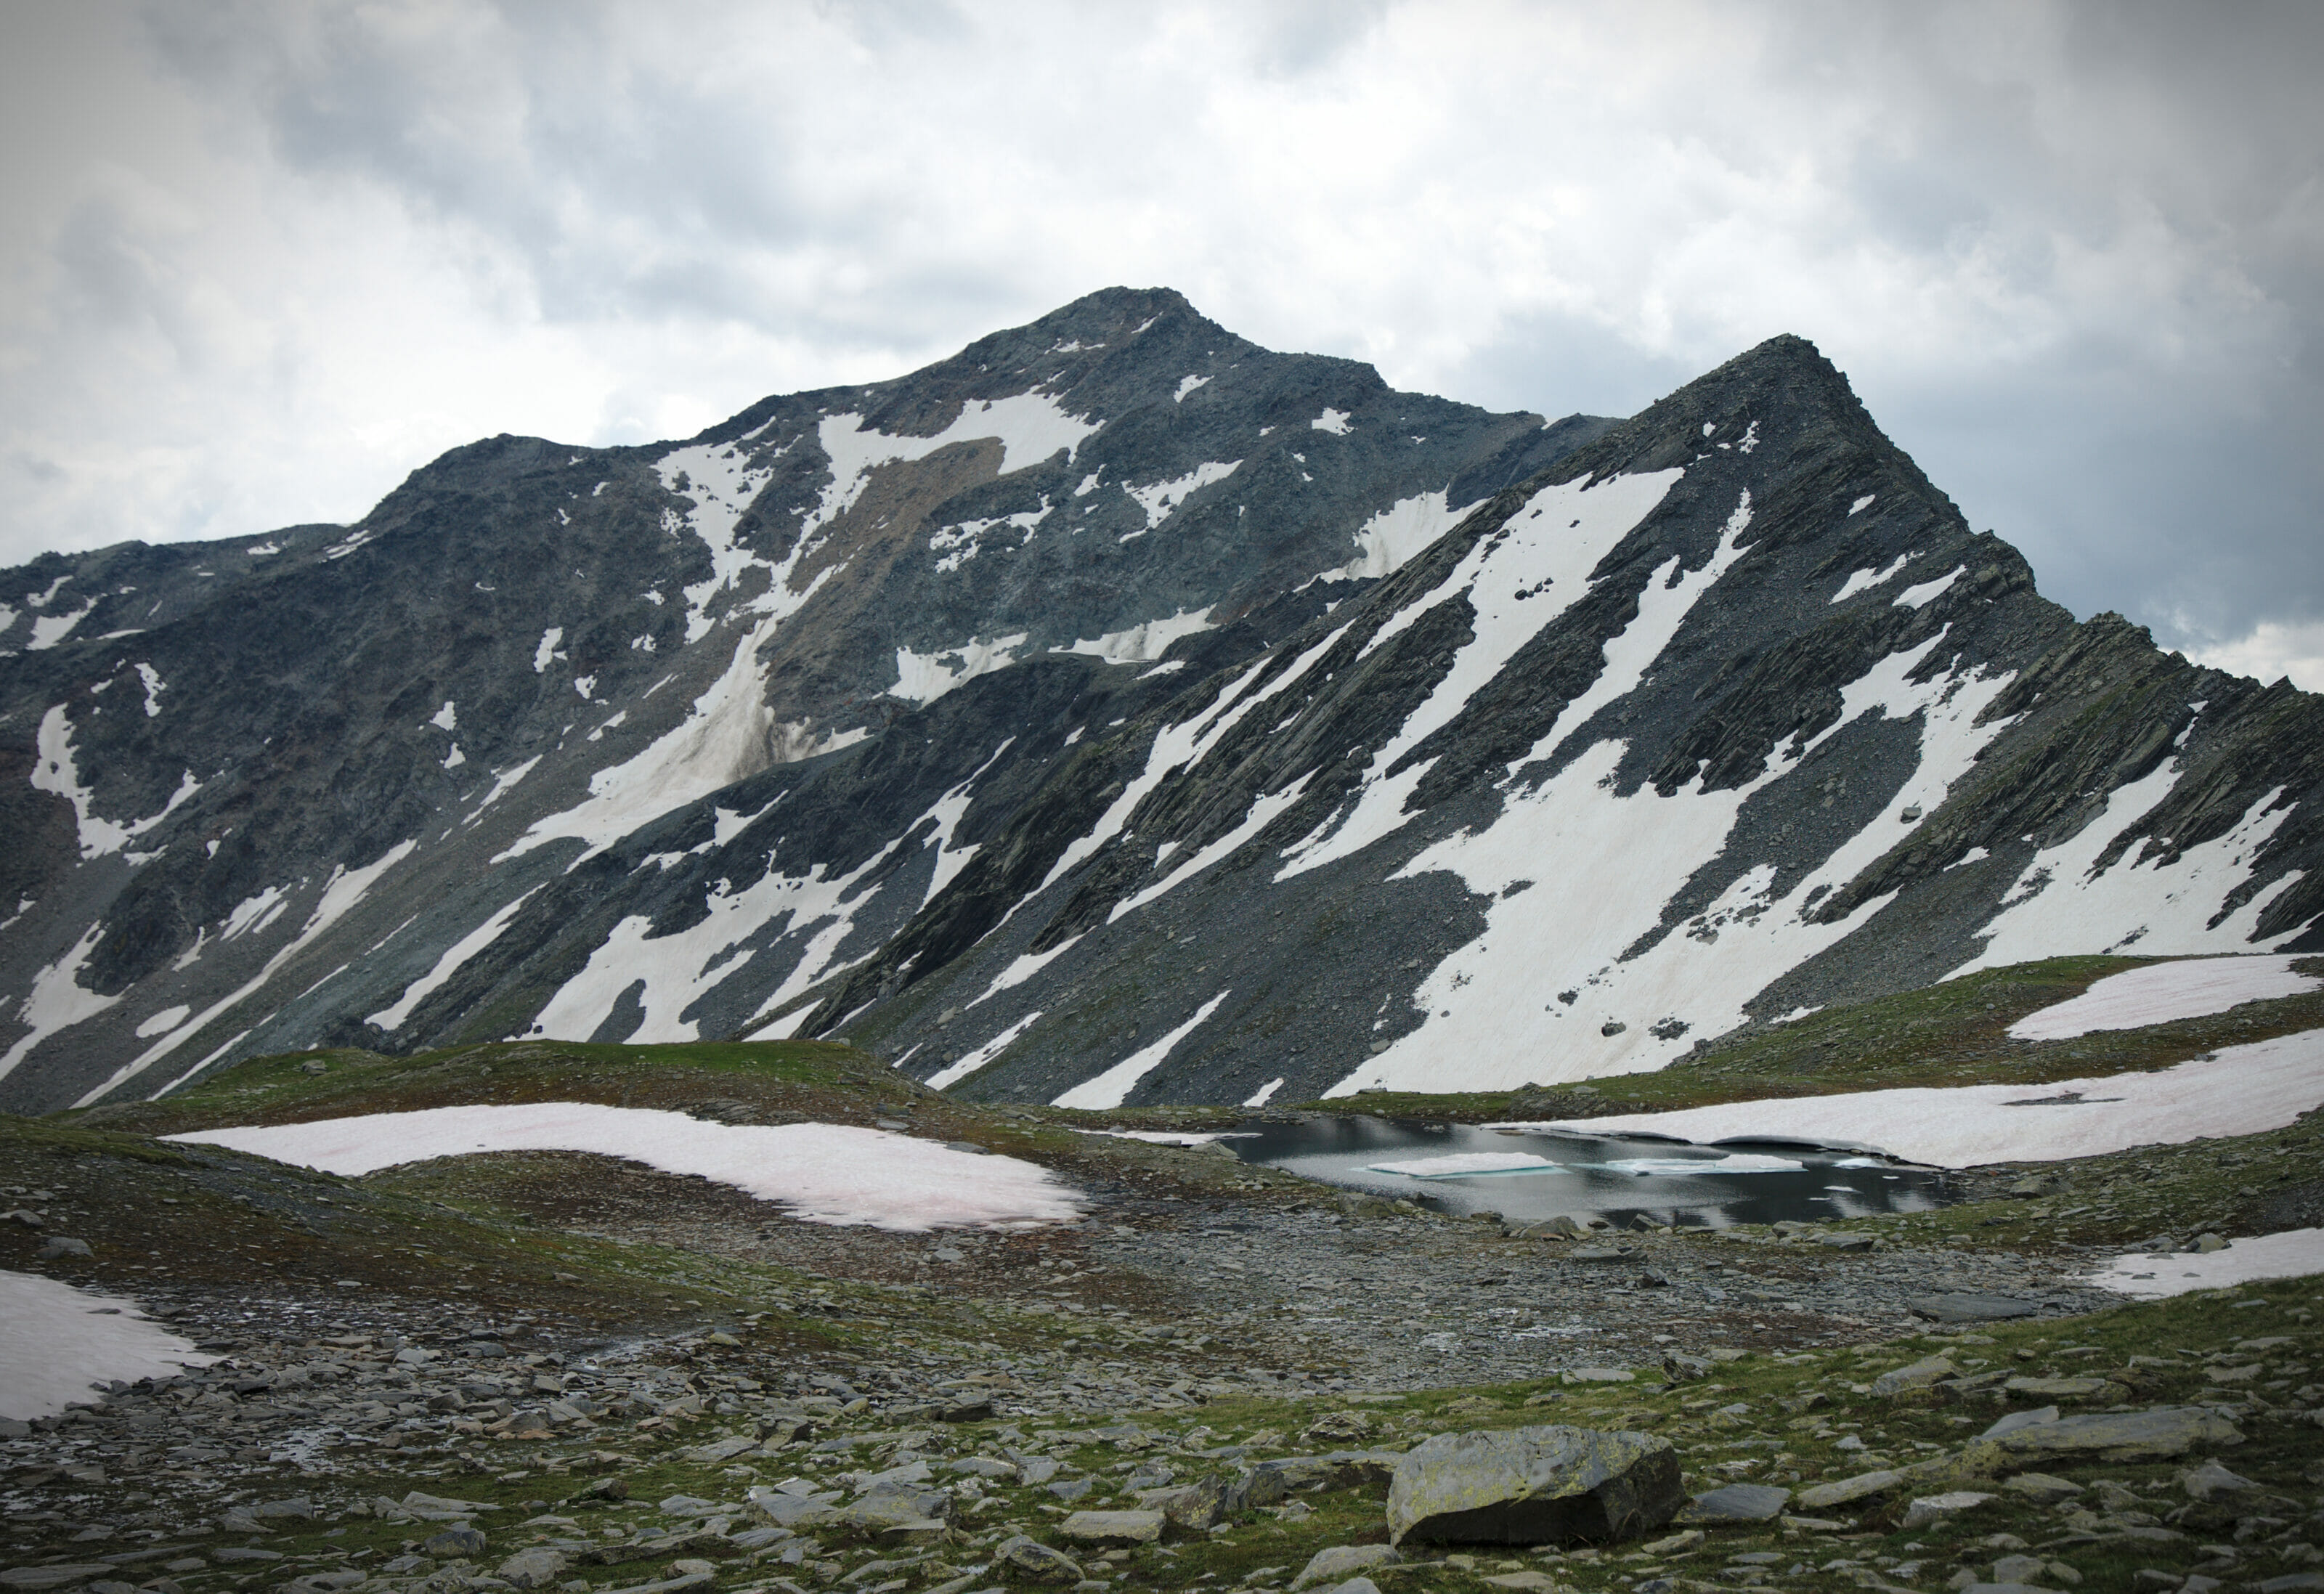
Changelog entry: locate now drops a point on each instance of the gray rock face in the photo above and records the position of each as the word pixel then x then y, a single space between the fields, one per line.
pixel 1534 1485
pixel 1223 701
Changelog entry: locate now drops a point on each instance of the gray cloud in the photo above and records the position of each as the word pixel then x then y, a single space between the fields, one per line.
pixel 268 256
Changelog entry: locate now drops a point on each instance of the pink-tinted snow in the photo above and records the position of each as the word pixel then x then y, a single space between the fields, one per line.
pixel 824 1172
pixel 56 1340
pixel 2295 1253
pixel 2241 1091
pixel 2189 988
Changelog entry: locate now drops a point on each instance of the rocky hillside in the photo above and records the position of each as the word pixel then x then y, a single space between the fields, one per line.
pixel 1115 712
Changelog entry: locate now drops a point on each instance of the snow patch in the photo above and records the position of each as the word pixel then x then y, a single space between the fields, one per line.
pixel 1914 597
pixel 547 651
pixel 2292 1253
pixel 1863 503
pixel 1187 384
pixel 923 678
pixel 1144 642
pixel 1111 1089
pixel 2245 1090
pixel 1335 421
pixel 163 1022
pixel 829 1174
pixel 49 630
pixel 1025 966
pixel 2163 993
pixel 1517 583
pixel 1865 580
pixel 59 1000
pixel 447 718
pixel 59 1345
pixel 391 1018
pixel 1391 539
pixel 970 1062
pixel 1162 498
pixel 151 678
pixel 1265 1093
pixel 340 894
pixel 54 771
pixel 1484 1004
pixel 2062 904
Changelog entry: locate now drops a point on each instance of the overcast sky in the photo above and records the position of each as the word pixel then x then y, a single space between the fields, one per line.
pixel 259 260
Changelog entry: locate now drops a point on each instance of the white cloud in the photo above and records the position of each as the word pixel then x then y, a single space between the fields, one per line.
pixel 265 258
pixel 2269 651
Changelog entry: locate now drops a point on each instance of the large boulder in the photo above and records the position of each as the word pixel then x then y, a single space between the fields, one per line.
pixel 2156 1435
pixel 1534 1485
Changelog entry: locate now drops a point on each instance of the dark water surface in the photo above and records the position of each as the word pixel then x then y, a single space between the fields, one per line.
pixel 1619 1178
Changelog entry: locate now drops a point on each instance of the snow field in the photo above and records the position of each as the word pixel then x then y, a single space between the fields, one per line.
pixel 2294 1253
pixel 2242 1091
pixel 2060 903
pixel 830 1174
pixel 56 1340
pixel 2162 992
pixel 1540 553
pixel 1490 1002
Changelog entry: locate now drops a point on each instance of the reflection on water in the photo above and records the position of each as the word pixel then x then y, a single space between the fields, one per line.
pixel 1526 1174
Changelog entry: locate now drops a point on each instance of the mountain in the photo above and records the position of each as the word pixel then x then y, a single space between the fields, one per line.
pixel 1114 712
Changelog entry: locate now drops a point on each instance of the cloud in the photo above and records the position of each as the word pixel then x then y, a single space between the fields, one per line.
pixel 272 255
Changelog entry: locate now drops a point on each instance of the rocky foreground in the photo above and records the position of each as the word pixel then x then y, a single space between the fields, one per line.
pixel 2148 1447
pixel 553 1369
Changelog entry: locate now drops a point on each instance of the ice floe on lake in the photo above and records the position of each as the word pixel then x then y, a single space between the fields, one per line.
pixel 2295 1253
pixel 832 1173
pixel 2162 992
pixel 56 1340
pixel 2241 1091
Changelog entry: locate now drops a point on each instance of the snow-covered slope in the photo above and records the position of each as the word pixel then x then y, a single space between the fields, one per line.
pixel 371 784
pixel 1062 725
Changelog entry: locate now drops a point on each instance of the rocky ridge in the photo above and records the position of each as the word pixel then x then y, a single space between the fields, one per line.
pixel 1114 714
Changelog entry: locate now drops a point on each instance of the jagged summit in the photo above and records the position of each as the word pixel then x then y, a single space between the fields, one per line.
pixel 1114 711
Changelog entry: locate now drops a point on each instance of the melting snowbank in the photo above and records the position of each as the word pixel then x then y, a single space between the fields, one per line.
pixel 2162 992
pixel 55 1340
pixel 2295 1253
pixel 824 1173
pixel 2242 1091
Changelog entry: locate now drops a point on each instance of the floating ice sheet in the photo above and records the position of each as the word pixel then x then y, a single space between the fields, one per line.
pixel 824 1173
pixel 1469 1165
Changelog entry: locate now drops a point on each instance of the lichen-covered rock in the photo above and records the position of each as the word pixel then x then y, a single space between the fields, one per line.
pixel 1340 1559
pixel 2156 1435
pixel 1919 1374
pixel 1028 1559
pixel 1113 1529
pixel 1736 1502
pixel 1533 1486
pixel 536 1568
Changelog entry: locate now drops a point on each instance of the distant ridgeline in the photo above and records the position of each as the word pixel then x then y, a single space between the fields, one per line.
pixel 1114 713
